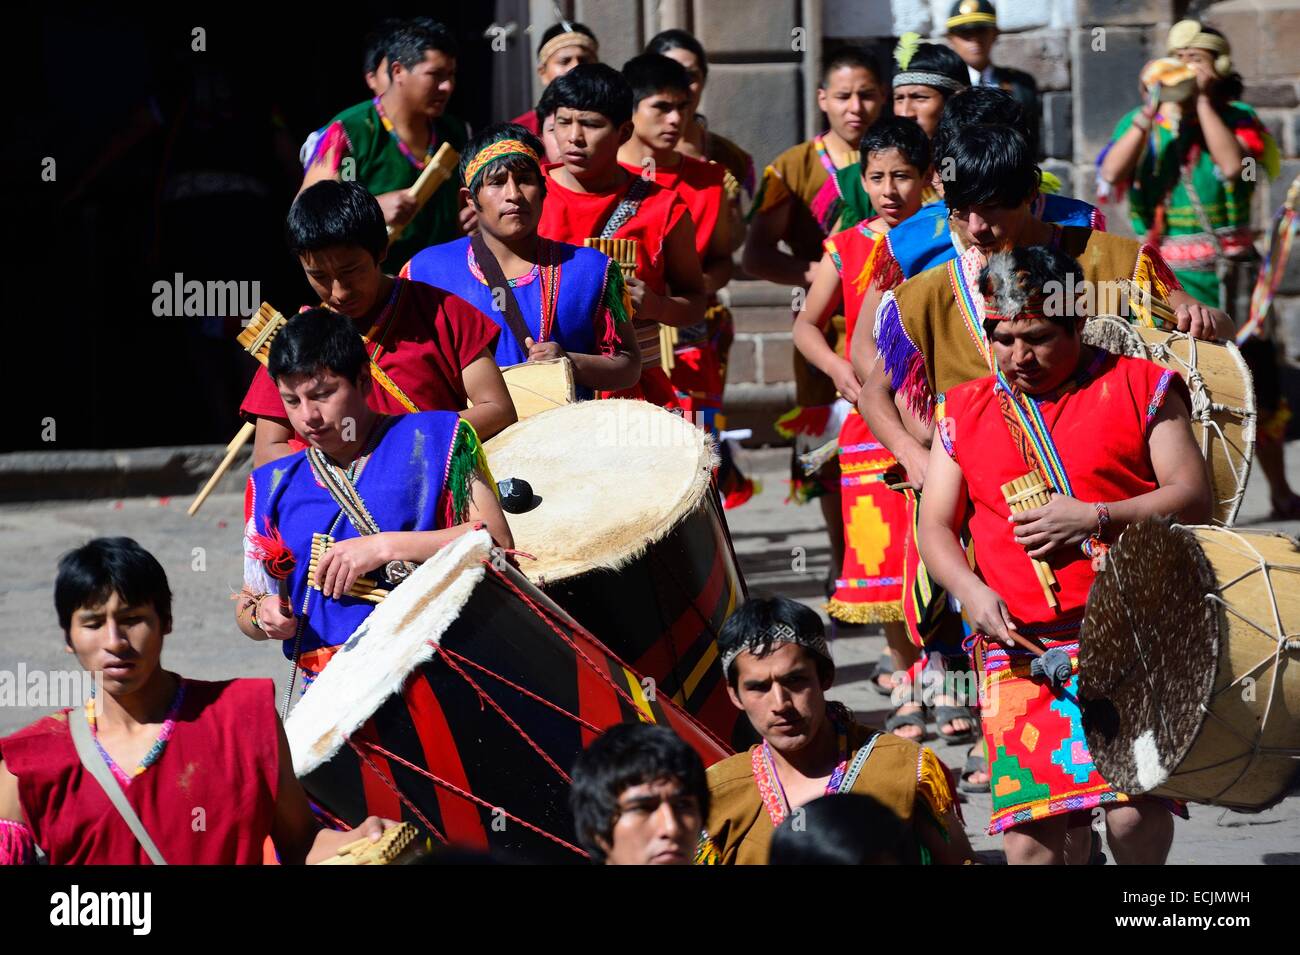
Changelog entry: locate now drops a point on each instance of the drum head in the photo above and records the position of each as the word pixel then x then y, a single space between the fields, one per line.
pixel 608 477
pixel 363 674
pixel 1148 655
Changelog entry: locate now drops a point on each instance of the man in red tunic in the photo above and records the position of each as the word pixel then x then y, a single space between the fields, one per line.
pixel 205 766
pixel 563 46
pixel 1112 437
pixel 433 349
pixel 661 94
pixel 590 195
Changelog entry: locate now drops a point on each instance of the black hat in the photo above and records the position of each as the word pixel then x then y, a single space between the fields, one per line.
pixel 971 14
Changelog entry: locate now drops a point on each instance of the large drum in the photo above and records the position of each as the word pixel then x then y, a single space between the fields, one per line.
pixel 460 706
pixel 1223 398
pixel 1189 666
pixel 629 538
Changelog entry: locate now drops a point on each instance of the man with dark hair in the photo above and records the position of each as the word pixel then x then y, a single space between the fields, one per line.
pixel 928 329
pixel 1047 383
pixel 589 195
pixel 661 97
pixel 563 46
pixel 174 747
pixel 639 797
pixel 778 667
pixel 386 492
pixel 386 142
pixel 429 349
pixel 972 31
pixel 571 300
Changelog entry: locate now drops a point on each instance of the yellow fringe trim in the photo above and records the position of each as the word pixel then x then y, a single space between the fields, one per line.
pixel 846 612
pixel 932 786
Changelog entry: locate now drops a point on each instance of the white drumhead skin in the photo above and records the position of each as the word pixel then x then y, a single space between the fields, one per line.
pixel 400 635
pixel 614 476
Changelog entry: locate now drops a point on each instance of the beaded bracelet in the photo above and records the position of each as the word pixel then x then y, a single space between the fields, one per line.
pixel 1103 519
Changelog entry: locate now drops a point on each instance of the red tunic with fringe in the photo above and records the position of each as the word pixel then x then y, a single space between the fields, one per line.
pixel 573 217
pixel 869 588
pixel 1101 426
pixel 209 799
pixel 423 338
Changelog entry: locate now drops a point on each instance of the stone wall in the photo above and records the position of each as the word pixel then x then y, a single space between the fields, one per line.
pixel 1085 55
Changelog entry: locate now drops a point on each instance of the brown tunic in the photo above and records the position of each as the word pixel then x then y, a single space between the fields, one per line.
pixel 895 774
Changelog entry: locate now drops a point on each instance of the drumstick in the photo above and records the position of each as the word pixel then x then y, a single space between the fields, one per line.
pixel 1139 297
pixel 435 172
pixel 232 450
pixel 1023 494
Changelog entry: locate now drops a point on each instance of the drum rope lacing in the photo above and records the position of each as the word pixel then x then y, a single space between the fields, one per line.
pixel 1203 407
pixel 1278 635
pixel 451 787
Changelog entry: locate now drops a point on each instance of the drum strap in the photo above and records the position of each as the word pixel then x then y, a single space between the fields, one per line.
pixel 510 309
pixel 626 207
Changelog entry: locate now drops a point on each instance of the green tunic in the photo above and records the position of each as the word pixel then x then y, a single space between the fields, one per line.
pixel 382 167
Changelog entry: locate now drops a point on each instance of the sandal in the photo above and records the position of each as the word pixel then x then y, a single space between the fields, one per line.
pixel 884 667
pixel 974 764
pixel 947 714
pixel 897 719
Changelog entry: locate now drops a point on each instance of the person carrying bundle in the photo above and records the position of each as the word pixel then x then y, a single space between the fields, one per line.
pixel 1104 441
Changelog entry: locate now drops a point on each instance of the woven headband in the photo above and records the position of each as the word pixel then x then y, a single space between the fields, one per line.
pixel 923 78
pixel 1188 33
pixel 779 633
pixel 503 147
pixel 563 40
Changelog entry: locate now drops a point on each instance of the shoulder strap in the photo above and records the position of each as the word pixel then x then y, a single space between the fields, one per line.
pixel 626 207
pixel 855 767
pixel 95 765
pixel 491 268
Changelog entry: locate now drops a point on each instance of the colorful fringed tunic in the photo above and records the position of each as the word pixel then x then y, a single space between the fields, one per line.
pixel 414 475
pixel 573 296
pixel 572 217
pixel 420 340
pixel 870 586
pixel 220 764
pixel 930 329
pixel 805 177
pixel 1099 426
pixel 1164 209
pixel 747 801
pixel 383 164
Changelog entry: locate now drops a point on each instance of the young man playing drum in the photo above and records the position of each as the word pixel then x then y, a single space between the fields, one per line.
pixel 204 767
pixel 639 797
pixel 778 668
pixel 386 491
pixel 571 300
pixel 589 195
pixel 1112 439
pixel 432 348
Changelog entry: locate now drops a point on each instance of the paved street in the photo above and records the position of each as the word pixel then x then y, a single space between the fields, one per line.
pixel 203 561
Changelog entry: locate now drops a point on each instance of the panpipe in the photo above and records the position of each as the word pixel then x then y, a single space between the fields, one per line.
pixel 365 588
pixel 397 845
pixel 435 172
pixel 256 339
pixel 1142 301
pixel 1024 494
pixel 656 341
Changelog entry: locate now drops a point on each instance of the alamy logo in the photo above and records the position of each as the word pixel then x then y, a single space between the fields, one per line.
pixel 103 908
pixel 195 299
pixel 49 688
